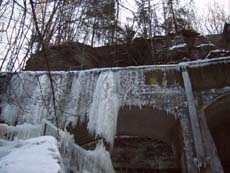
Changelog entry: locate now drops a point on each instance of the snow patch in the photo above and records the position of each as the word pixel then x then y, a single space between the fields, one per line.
pixel 205 45
pixel 178 46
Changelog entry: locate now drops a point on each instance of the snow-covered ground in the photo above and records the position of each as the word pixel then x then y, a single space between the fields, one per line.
pixel 36 155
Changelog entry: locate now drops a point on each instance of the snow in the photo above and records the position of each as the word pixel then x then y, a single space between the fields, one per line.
pixel 34 155
pixel 205 45
pixel 206 62
pixel 182 45
pixel 219 51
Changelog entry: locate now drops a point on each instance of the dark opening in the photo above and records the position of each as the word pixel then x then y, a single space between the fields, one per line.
pixel 218 119
pixel 147 141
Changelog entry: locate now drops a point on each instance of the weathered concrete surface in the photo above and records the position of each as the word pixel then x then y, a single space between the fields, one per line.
pixel 210 77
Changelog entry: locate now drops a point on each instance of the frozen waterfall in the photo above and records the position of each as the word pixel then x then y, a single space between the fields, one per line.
pixel 105 106
pixel 94 95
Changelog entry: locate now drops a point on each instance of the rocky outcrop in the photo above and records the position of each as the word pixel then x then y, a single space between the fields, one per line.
pixel 170 49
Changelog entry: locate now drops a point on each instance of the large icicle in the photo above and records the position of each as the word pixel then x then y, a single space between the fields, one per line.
pixel 104 109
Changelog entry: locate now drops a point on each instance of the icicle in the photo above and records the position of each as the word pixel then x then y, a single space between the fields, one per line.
pixel 98 160
pixel 104 109
pixel 3 130
pixel 24 131
pixel 87 82
pixel 77 94
pixel 79 159
pixel 10 106
pixel 38 105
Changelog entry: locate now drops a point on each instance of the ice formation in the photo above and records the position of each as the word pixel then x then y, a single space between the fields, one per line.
pixel 105 106
pixel 95 95
pixel 78 159
pixel 97 159
pixel 206 62
pixel 21 132
pixel 74 157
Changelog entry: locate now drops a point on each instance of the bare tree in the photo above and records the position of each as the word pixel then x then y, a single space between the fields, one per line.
pixel 91 22
pixel 213 21
pixel 15 33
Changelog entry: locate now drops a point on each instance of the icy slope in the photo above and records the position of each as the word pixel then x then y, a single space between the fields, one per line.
pixel 36 155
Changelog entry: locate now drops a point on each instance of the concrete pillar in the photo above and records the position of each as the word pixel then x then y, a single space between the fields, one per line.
pixel 205 159
pixel 188 164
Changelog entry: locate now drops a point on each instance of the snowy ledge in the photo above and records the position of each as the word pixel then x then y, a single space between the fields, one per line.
pixel 36 155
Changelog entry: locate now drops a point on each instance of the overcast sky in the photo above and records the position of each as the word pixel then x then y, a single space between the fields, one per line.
pixel 201 5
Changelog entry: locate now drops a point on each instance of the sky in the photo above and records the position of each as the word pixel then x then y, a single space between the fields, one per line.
pixel 201 5
pixel 201 9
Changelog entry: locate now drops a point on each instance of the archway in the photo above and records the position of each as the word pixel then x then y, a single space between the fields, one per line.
pixel 218 120
pixel 148 140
